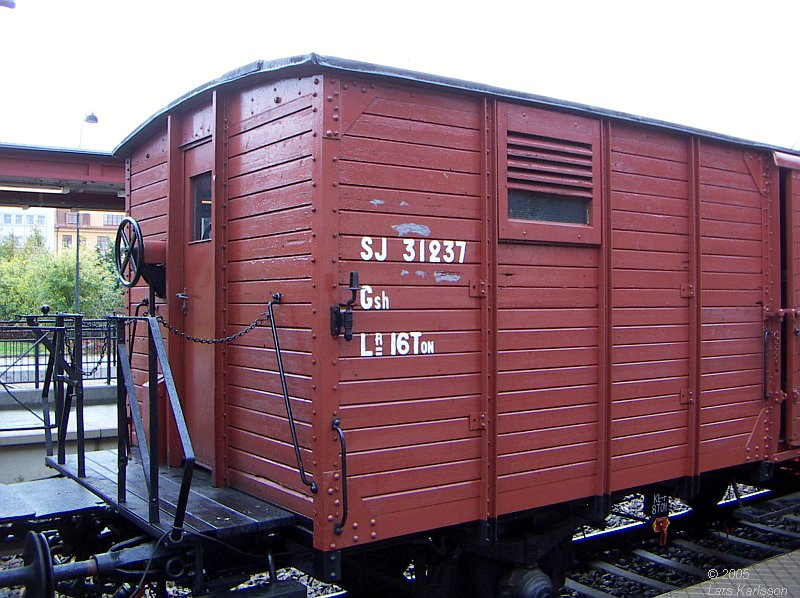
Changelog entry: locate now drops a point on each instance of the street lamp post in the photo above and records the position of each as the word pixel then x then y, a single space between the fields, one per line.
pixel 78 262
pixel 91 118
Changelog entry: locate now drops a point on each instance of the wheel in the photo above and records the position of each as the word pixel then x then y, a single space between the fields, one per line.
pixel 129 252
pixel 36 555
pixel 527 583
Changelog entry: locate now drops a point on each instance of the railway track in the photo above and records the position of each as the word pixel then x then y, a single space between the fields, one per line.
pixel 624 562
pixel 628 560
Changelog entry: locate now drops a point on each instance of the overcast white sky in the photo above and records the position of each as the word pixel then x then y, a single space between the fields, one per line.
pixel 726 66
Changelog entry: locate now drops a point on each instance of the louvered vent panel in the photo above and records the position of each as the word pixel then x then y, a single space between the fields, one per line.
pixel 551 166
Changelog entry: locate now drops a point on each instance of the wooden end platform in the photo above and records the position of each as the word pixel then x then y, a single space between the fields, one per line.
pixel 214 512
pixel 45 499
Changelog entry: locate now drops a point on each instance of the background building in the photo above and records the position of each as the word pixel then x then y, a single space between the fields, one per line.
pixel 97 229
pixel 21 222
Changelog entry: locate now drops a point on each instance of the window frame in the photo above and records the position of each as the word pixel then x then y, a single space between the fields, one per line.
pixel 196 199
pixel 556 125
pixel 112 219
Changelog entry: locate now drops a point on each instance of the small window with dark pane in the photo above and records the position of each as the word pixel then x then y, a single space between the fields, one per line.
pixel 550 188
pixel 201 206
pixel 529 205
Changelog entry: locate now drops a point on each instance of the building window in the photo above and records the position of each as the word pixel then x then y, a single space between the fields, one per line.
pixel 201 207
pixel 6 218
pixel 40 220
pixel 66 241
pixel 550 180
pixel 18 219
pixel 72 217
pixel 112 219
pixel 29 219
pixel 102 243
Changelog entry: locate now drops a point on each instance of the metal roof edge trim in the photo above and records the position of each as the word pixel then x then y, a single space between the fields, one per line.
pixel 784 160
pixel 366 68
pixel 40 149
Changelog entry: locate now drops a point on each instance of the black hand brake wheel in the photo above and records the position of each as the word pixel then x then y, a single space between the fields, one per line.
pixel 129 252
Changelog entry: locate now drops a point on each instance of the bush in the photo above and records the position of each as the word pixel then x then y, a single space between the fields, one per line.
pixel 31 276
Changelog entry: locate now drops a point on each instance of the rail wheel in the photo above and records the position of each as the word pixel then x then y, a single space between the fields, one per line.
pixel 527 583
pixel 36 556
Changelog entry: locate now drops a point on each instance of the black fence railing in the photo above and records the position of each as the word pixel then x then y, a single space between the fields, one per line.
pixel 147 440
pixel 23 360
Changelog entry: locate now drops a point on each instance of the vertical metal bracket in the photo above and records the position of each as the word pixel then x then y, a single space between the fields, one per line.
pixel 342 314
pixel 328 565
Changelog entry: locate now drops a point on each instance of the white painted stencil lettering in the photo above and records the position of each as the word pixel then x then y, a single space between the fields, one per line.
pixel 369 299
pixel 399 344
pixel 430 251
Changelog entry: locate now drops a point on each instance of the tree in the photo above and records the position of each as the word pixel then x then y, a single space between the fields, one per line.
pixel 31 276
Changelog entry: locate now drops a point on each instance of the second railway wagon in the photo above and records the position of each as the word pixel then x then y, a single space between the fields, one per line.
pixel 492 305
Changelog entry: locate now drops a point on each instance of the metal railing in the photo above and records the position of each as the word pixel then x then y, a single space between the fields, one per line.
pixel 23 359
pixel 147 441
pixel 61 339
pixel 61 374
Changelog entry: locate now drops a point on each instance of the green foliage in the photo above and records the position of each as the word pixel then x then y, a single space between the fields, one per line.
pixel 31 276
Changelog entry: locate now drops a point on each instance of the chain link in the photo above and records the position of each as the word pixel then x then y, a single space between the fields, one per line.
pixel 90 373
pixel 213 341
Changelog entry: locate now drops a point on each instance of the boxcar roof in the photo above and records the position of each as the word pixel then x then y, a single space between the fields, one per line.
pixel 310 64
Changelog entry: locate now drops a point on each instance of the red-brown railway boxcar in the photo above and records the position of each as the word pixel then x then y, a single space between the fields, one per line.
pixel 553 303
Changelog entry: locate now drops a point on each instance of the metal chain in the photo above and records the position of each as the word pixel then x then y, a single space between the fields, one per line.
pixel 213 341
pixel 70 348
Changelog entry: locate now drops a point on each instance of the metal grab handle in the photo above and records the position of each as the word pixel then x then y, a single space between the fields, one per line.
pixel 337 529
pixel 276 298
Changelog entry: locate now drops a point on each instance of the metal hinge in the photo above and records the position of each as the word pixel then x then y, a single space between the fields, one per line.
pixel 477 288
pixel 687 396
pixel 777 396
pixel 477 420
pixel 687 290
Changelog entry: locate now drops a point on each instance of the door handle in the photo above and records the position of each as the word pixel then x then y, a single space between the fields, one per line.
pixel 183 298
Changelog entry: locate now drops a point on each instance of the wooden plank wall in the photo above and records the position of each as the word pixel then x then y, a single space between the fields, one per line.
pixel 270 149
pixel 409 172
pixel 733 187
pixel 549 415
pixel 547 374
pixel 650 261
pixel 147 204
